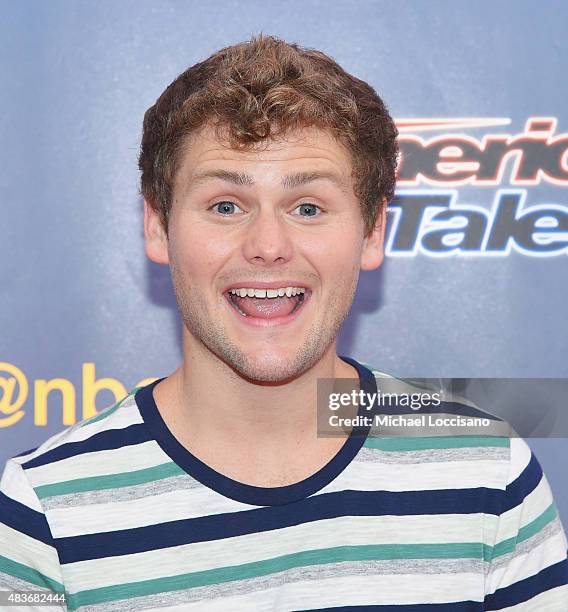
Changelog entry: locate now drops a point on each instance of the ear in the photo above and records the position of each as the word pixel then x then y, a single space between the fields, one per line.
pixel 373 253
pixel 155 239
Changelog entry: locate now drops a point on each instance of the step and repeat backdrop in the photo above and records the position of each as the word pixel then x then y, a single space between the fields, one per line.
pixel 475 280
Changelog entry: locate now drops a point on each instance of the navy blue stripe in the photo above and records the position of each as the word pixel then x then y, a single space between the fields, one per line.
pixel 523 485
pixel 318 507
pixel 105 440
pixel 455 606
pixel 549 578
pixel 24 519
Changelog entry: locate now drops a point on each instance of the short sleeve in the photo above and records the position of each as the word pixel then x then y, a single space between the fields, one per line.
pixel 527 567
pixel 28 557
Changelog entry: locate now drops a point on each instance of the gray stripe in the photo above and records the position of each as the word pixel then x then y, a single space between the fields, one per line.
pixel 494 428
pixel 314 572
pixel 552 529
pixel 122 494
pixel 474 453
pixel 9 583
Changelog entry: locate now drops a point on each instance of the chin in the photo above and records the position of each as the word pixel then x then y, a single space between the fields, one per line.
pixel 272 368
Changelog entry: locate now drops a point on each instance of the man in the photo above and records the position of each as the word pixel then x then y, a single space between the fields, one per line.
pixel 266 170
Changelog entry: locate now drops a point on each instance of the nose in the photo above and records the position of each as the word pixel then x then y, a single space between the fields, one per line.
pixel 267 239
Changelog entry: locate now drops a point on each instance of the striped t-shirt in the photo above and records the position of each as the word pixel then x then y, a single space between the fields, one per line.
pixel 116 514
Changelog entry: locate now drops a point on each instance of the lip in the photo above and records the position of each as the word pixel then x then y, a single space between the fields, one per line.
pixel 271 285
pixel 275 321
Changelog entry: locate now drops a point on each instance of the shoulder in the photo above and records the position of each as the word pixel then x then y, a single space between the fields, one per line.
pixel 110 428
pixel 493 457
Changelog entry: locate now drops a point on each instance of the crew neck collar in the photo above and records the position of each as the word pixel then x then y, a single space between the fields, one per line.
pixel 248 494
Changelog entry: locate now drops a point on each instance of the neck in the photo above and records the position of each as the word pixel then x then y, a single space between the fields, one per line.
pixel 264 434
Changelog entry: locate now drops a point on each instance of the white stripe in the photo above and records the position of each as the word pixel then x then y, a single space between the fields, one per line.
pixel 343 531
pixel 369 476
pixel 520 458
pixel 99 463
pixel 15 485
pixel 347 590
pixel 534 504
pixel 549 552
pixel 171 506
pixel 22 548
pixel 125 415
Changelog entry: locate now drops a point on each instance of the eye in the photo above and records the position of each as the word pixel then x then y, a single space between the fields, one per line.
pixel 226 208
pixel 309 209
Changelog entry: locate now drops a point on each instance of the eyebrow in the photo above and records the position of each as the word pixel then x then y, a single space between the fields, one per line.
pixel 290 181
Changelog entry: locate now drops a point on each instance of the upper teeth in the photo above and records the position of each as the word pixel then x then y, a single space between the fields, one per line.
pixel 271 293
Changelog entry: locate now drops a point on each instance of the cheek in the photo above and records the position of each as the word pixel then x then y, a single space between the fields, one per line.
pixel 335 255
pixel 198 253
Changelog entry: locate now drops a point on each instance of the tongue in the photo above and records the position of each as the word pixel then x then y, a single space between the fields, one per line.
pixel 267 308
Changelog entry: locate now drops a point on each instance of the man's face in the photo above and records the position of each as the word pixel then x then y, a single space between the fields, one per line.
pixel 284 216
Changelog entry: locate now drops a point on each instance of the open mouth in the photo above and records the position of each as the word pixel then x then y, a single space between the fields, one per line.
pixel 267 303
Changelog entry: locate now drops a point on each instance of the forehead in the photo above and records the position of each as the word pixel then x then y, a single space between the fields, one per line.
pixel 303 149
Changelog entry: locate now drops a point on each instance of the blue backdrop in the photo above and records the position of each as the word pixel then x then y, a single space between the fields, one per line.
pixel 475 280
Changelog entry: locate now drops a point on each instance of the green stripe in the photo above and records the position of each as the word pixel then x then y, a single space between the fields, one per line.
pixel 108 411
pixel 423 443
pixel 524 533
pixel 256 569
pixel 23 572
pixel 111 481
pixel 102 415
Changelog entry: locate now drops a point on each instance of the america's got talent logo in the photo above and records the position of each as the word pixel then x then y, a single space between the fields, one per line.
pixel 431 217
